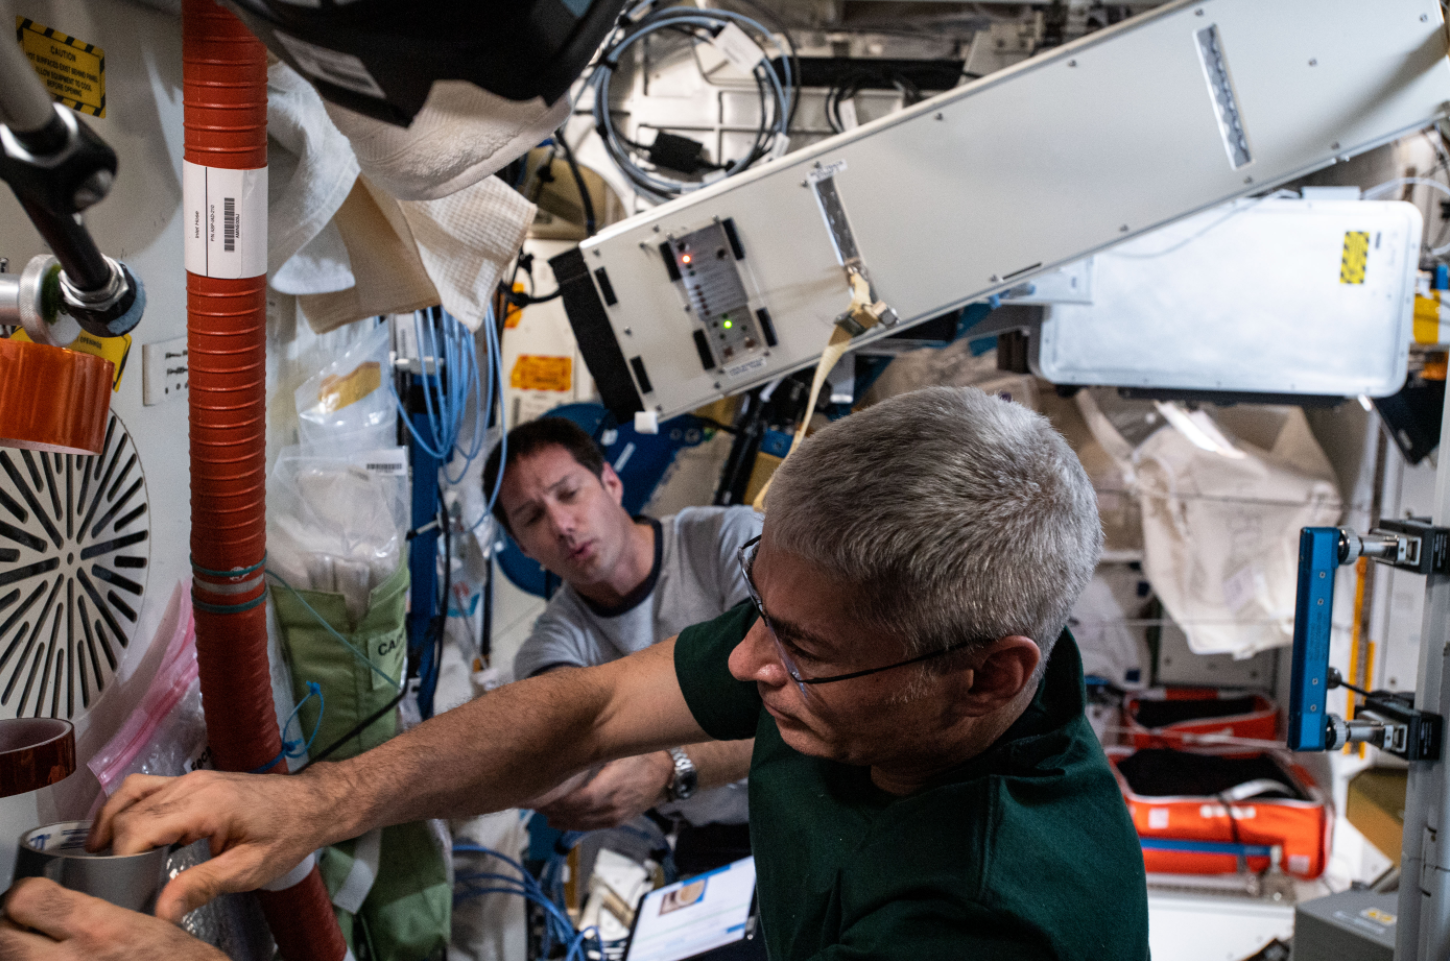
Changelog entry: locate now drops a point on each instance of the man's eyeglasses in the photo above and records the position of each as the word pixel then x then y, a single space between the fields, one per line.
pixel 746 556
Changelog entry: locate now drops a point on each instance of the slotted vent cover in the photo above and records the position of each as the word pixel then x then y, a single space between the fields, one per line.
pixel 74 549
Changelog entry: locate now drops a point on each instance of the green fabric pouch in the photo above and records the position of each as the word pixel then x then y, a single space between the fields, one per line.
pixel 351 690
pixel 406 914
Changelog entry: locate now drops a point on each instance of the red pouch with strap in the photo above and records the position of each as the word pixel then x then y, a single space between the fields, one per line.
pixel 1162 716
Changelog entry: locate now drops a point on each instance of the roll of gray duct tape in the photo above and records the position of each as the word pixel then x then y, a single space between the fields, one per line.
pixel 58 851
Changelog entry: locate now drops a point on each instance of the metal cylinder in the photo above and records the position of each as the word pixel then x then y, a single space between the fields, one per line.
pixel 24 104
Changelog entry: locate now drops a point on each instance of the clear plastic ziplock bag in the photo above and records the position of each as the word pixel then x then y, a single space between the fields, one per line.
pixel 348 406
pixel 166 733
pixel 338 524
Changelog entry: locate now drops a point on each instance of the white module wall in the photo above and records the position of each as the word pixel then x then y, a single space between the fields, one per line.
pixel 101 543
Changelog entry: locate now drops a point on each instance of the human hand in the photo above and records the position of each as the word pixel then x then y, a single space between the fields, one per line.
pixel 46 922
pixel 259 826
pixel 620 792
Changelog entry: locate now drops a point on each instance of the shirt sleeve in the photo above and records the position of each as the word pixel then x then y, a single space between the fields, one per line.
pixel 728 710
pixel 553 642
pixel 738 525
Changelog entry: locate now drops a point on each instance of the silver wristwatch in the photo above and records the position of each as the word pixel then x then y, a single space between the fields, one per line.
pixel 686 776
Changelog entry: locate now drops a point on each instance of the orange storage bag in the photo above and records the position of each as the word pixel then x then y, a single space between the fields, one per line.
pixel 1162 716
pixel 1205 812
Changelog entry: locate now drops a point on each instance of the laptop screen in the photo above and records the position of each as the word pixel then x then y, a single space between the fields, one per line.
pixel 692 916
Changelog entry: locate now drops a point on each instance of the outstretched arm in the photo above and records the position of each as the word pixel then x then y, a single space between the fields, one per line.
pixel 490 754
pixel 626 788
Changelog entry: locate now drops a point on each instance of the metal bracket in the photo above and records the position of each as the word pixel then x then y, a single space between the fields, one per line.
pixel 1386 720
pixel 822 180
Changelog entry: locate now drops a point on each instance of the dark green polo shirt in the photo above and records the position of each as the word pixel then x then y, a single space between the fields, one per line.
pixel 1025 851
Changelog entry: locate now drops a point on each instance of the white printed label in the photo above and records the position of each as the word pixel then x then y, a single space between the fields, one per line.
pixel 846 109
pixel 825 171
pixel 736 46
pixel 745 367
pixel 390 461
pixel 332 66
pixel 226 221
pixel 1157 819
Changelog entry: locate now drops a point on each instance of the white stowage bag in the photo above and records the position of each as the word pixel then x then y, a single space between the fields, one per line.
pixel 1221 530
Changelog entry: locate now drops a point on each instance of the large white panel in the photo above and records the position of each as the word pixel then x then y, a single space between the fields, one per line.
pixel 1255 296
pixel 1041 164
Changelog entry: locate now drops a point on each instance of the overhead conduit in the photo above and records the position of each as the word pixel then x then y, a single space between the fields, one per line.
pixel 225 96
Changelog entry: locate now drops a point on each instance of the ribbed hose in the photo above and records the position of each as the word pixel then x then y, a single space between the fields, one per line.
pixel 225 96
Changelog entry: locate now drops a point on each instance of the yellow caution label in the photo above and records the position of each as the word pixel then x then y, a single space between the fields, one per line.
pixel 1375 914
pixel 114 349
pixel 538 372
pixel 73 71
pixel 337 392
pixel 1356 255
pixel 513 313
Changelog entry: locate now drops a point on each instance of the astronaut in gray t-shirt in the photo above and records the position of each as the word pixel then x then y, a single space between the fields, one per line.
pixel 628 583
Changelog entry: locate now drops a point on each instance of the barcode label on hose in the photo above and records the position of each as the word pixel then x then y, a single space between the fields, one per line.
pixel 226 221
pixel 229 224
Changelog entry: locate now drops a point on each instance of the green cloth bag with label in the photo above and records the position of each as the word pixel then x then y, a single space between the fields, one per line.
pixel 390 889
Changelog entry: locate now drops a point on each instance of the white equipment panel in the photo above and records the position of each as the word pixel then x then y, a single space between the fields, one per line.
pixel 104 539
pixel 971 192
pixel 1273 296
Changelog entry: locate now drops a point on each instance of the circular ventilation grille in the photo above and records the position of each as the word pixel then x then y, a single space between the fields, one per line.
pixel 74 547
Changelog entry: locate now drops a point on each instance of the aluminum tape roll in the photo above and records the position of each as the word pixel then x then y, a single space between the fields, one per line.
pixel 58 851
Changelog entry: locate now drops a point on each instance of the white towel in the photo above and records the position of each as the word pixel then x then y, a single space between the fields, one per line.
pixel 462 135
pixel 312 170
pixel 466 240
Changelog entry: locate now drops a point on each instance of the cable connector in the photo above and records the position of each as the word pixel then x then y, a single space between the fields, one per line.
pixel 680 154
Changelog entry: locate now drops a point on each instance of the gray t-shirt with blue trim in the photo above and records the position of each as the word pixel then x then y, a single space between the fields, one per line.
pixel 696 579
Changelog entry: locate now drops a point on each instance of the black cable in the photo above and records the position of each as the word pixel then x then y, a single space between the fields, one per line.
pixel 584 198
pixel 1337 680
pixel 357 729
pixel 795 65
pixel 659 21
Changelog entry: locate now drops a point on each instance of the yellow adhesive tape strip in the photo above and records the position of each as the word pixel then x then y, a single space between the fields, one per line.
pixel 836 348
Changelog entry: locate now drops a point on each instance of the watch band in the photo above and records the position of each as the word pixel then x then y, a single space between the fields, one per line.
pixel 682 783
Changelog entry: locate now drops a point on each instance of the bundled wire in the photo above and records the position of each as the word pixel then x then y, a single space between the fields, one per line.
pixel 847 90
pixel 557 926
pixel 494 387
pixel 449 344
pixel 771 137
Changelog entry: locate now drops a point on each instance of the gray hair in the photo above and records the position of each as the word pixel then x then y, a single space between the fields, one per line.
pixel 955 517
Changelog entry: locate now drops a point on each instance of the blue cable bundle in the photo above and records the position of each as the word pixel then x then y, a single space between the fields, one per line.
pixel 558 927
pixel 440 335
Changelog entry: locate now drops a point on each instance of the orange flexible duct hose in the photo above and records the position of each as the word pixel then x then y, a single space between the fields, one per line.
pixel 225 97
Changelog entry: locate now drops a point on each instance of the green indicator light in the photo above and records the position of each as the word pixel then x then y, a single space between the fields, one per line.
pixel 728 323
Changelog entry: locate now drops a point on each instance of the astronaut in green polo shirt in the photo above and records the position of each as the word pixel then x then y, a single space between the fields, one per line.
pixel 924 784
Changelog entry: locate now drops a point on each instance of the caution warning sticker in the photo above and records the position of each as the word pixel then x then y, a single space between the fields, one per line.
pixel 1356 255
pixel 114 349
pixel 73 71
pixel 538 372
